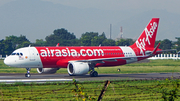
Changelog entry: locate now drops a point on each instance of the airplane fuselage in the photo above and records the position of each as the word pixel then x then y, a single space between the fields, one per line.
pixel 58 57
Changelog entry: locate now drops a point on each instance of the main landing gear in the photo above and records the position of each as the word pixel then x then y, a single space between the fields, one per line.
pixel 93 73
pixel 28 72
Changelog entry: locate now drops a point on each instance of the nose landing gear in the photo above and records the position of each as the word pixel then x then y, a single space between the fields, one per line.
pixel 28 72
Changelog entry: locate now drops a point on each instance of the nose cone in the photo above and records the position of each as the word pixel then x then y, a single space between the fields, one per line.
pixel 7 62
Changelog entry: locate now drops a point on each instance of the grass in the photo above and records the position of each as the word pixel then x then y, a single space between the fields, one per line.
pixel 117 90
pixel 154 66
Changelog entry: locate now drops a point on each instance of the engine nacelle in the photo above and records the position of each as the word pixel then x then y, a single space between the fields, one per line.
pixel 78 68
pixel 47 70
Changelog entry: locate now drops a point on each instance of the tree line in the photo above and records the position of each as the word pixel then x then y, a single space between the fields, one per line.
pixel 65 38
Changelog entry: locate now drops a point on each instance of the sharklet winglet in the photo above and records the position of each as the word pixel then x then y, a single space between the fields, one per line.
pixel 155 50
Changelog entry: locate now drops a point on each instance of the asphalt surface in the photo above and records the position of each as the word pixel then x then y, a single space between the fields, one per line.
pixel 11 78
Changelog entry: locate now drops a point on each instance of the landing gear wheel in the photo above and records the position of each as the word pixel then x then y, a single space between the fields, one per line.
pixel 28 72
pixel 93 74
pixel 28 75
pixel 71 75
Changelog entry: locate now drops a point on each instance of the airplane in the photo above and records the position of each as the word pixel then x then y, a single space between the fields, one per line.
pixel 79 60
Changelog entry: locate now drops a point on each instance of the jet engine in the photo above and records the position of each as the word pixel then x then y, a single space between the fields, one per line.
pixel 78 68
pixel 47 70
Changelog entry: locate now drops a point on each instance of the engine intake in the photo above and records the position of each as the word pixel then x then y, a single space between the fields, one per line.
pixel 78 68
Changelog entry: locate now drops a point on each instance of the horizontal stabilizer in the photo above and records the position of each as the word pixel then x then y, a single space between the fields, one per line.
pixel 168 50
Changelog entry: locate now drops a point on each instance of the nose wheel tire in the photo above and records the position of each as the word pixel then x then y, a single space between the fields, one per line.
pixel 28 72
pixel 28 75
pixel 93 74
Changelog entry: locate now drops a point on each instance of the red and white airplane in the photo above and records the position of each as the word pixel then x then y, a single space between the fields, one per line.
pixel 80 60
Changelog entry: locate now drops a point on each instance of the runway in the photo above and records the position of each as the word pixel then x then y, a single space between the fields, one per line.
pixel 11 78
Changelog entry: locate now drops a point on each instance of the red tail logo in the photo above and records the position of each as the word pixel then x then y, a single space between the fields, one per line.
pixel 148 36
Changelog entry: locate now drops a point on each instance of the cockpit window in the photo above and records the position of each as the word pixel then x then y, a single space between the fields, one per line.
pixel 19 54
pixel 13 54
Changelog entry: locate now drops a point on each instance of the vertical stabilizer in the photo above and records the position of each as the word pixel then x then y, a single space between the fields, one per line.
pixel 148 36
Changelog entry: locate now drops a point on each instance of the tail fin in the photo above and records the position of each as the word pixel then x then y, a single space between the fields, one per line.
pixel 148 36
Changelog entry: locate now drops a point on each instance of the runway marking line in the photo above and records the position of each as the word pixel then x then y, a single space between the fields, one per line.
pixel 35 80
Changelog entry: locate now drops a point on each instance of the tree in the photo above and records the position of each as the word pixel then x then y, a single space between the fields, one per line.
pixel 24 44
pixel 39 42
pixel 61 36
pixel 2 46
pixel 13 42
pixel 92 39
pixel 89 38
pixel 7 49
pixel 95 41
pixel 102 38
pixel 166 44
pixel 17 41
pixel 177 44
pixel 108 42
pixel 124 42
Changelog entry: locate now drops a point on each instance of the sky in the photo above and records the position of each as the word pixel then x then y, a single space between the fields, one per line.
pixel 142 5
pixel 37 19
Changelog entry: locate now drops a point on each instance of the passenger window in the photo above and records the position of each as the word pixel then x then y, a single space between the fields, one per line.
pixel 17 54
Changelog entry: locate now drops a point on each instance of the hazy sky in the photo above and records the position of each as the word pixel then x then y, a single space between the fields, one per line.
pixel 142 5
pixel 78 16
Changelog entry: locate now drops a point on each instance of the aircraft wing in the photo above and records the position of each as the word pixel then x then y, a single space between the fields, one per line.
pixel 101 60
